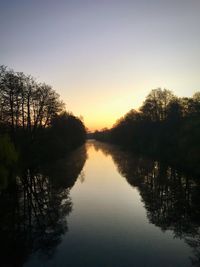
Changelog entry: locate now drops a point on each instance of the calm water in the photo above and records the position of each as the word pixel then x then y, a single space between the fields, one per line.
pixel 103 207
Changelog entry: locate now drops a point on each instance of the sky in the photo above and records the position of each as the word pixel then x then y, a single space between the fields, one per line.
pixel 104 56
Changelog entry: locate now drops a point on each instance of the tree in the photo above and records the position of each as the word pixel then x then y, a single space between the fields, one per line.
pixel 155 105
pixel 26 104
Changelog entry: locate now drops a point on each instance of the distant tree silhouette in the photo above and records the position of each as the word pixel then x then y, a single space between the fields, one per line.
pixel 165 126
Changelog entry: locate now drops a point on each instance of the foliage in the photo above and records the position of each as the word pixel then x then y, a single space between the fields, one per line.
pixel 8 159
pixel 65 133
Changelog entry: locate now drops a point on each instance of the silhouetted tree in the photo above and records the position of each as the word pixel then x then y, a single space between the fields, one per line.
pixel 155 105
pixel 26 103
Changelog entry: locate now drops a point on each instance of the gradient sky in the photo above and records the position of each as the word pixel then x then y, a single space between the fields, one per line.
pixel 104 56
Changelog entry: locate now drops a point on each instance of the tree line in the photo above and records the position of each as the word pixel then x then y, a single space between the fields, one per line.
pixel 33 121
pixel 165 126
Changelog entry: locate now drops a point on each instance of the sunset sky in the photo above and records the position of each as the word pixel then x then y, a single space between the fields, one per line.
pixel 104 56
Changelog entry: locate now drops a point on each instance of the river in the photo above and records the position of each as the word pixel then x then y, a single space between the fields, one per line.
pixel 109 208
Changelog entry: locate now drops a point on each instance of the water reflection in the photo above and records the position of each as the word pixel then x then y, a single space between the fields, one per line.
pixel 171 199
pixel 115 221
pixel 34 208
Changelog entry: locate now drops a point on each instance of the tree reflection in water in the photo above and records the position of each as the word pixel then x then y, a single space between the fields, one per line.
pixel 171 198
pixel 34 208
